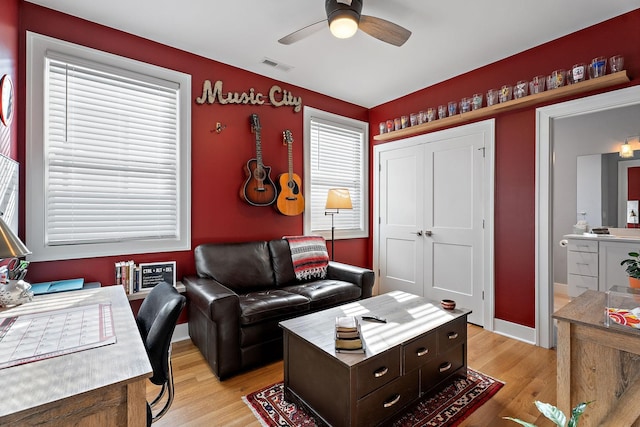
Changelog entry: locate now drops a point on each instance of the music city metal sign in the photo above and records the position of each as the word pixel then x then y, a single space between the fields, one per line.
pixel 278 97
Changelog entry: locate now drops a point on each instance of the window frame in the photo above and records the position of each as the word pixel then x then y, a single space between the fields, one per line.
pixel 308 114
pixel 37 47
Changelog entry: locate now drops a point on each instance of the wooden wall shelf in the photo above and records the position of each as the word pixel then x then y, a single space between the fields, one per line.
pixel 585 86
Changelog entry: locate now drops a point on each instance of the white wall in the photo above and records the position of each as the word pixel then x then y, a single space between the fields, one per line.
pixel 589 189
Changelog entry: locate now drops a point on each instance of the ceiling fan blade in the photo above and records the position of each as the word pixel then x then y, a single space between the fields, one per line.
pixel 303 32
pixel 384 30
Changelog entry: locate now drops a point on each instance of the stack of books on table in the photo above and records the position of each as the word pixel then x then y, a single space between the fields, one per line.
pixel 348 335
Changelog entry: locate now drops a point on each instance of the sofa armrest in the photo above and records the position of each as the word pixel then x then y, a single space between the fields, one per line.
pixel 213 298
pixel 214 323
pixel 363 277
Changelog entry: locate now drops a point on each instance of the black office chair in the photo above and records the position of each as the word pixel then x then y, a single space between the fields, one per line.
pixel 156 321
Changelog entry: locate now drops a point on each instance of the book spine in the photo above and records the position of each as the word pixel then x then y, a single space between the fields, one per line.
pixel 131 267
pixel 118 268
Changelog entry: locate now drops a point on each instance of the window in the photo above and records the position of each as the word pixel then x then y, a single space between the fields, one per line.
pixel 336 156
pixel 108 154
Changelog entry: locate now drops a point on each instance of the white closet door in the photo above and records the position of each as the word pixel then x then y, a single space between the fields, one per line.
pixel 433 240
pixel 453 218
pixel 401 220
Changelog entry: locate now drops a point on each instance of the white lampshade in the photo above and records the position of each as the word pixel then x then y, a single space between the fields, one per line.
pixel 343 26
pixel 338 198
pixel 10 245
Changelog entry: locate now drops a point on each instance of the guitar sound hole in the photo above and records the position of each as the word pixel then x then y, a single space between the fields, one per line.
pixel 259 174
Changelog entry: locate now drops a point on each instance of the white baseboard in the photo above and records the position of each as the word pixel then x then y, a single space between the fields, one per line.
pixel 561 288
pixel 515 331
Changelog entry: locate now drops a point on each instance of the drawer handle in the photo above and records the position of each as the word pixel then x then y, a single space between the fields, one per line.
pixel 453 335
pixel 445 367
pixel 392 402
pixel 421 352
pixel 381 372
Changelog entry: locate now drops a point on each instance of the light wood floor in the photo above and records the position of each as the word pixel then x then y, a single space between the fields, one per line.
pixel 528 371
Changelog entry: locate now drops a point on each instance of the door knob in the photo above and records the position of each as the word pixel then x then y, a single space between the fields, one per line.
pixel 428 233
pixel 418 233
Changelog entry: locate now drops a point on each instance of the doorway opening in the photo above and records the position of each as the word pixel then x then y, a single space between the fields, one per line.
pixel 546 120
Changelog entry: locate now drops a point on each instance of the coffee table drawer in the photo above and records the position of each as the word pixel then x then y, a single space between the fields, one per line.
pixel 388 400
pixel 441 367
pixel 452 334
pixel 378 371
pixel 420 351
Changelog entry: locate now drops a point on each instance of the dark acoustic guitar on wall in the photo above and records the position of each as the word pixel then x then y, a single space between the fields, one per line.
pixel 258 189
pixel 290 201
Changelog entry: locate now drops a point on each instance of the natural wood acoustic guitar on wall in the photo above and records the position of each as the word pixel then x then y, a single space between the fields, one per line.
pixel 290 201
pixel 258 189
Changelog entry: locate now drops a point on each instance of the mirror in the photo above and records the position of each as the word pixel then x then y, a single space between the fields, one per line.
pixel 602 188
pixel 6 100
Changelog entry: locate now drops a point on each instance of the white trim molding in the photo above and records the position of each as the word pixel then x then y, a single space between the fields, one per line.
pixel 545 117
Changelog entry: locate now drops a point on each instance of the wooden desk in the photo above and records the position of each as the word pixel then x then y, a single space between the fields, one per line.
pixel 596 363
pixel 104 386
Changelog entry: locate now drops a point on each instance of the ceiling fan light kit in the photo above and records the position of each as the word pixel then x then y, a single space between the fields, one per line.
pixel 343 27
pixel 345 19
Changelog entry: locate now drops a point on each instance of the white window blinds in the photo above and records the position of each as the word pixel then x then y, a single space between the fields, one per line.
pixel 336 158
pixel 108 153
pixel 111 156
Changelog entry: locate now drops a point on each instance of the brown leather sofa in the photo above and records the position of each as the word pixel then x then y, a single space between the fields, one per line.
pixel 243 290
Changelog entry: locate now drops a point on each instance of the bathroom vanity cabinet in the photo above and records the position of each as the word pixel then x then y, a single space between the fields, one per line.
pixel 594 262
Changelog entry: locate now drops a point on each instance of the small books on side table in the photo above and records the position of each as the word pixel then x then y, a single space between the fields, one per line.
pixel 348 336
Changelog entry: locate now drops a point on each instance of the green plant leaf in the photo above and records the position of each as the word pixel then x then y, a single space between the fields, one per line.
pixel 553 413
pixel 524 423
pixel 577 412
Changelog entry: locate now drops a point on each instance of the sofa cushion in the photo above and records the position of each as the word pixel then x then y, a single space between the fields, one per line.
pixel 281 261
pixel 260 306
pixel 242 267
pixel 326 293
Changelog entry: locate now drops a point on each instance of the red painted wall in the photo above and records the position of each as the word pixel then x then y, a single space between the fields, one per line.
pixel 633 179
pixel 218 213
pixel 633 190
pixel 515 145
pixel 9 65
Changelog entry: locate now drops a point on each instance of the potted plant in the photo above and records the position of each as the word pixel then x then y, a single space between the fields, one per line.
pixel 555 415
pixel 632 267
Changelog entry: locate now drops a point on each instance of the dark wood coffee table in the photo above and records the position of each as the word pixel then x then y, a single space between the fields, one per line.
pixel 419 349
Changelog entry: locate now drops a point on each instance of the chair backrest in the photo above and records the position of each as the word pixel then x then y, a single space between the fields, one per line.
pixel 156 321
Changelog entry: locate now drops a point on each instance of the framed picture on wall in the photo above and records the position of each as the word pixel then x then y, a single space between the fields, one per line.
pixel 152 273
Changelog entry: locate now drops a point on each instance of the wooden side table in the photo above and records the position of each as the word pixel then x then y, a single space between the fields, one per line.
pixel 598 364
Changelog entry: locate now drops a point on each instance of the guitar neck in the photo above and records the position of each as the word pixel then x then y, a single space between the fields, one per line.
pixel 290 153
pixel 258 149
pixel 255 127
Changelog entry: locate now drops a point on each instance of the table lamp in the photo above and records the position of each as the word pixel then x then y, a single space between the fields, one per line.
pixel 10 245
pixel 13 292
pixel 337 198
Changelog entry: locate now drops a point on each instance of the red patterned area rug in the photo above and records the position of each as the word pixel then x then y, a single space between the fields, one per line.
pixel 447 408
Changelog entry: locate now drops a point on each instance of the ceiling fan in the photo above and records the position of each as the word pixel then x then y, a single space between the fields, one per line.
pixel 345 18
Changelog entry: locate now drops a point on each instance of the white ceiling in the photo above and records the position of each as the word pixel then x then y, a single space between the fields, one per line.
pixel 449 37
